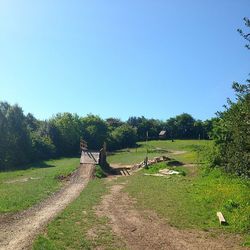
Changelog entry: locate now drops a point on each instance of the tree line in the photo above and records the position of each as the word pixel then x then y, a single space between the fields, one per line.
pixel 24 139
pixel 231 131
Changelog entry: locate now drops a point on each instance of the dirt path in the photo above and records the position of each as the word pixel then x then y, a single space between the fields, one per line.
pixel 145 230
pixel 18 231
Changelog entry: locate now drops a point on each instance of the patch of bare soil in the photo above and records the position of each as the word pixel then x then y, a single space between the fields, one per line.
pixel 177 152
pixel 22 180
pixel 18 230
pixel 145 230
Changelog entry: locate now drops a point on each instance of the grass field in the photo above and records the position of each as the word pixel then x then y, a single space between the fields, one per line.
pixel 21 189
pixel 72 228
pixel 193 201
pixel 157 148
pixel 189 201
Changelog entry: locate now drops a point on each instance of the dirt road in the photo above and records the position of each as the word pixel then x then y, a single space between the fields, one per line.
pixel 18 231
pixel 141 229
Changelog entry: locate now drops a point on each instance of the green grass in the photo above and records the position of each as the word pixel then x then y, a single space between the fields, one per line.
pixel 192 201
pixel 189 201
pixel 70 230
pixel 21 189
pixel 158 148
pixel 99 173
pixel 125 157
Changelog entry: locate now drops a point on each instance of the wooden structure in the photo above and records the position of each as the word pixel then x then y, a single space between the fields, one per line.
pixel 88 157
pixel 221 218
pixel 103 155
pixel 83 145
pixel 92 157
pixel 163 134
pixel 125 172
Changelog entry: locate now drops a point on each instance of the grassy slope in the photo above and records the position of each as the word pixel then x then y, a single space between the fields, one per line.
pixel 23 188
pixel 189 201
pixel 70 230
pixel 192 201
pixel 156 148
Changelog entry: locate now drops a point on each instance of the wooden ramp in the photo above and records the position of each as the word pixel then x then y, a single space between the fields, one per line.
pixel 88 157
pixel 125 172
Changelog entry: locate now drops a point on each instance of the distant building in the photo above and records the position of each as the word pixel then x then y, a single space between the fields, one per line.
pixel 163 134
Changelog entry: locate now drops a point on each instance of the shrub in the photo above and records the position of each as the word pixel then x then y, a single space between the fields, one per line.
pixel 99 172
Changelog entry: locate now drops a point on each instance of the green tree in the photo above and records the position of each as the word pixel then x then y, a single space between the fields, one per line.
pixel 123 137
pixel 65 132
pixel 144 126
pixel 185 126
pixel 246 35
pixel 94 130
pixel 232 131
pixel 15 136
pixel 114 122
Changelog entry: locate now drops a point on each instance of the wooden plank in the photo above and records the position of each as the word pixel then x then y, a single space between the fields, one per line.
pixel 221 218
pixel 89 157
pixel 127 172
pixel 121 171
pixel 124 171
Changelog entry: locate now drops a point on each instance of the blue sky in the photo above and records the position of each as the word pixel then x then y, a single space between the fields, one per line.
pixel 156 58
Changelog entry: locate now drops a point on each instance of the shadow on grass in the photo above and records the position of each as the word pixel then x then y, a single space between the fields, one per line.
pixel 175 163
pixel 41 164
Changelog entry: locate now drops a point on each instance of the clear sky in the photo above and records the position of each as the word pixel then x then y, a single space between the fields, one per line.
pixel 113 58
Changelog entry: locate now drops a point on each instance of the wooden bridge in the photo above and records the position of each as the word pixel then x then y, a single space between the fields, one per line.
pixel 88 157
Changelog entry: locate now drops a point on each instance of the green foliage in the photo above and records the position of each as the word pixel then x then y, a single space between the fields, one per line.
pixel 184 126
pixel 94 131
pixel 99 172
pixel 123 137
pixel 42 147
pixel 144 126
pixel 230 205
pixel 42 243
pixel 14 136
pixel 114 123
pixel 68 133
pixel 246 36
pixel 153 169
pixel 24 139
pixel 231 131
pixel 232 134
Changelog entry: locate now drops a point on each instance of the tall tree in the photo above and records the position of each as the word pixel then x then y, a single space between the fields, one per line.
pixel 94 131
pixel 232 130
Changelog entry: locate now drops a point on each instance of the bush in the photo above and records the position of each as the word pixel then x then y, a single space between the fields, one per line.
pixel 232 134
pixel 99 172
pixel 42 147
pixel 123 137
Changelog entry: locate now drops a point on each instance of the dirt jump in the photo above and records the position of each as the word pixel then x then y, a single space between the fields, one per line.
pixel 18 231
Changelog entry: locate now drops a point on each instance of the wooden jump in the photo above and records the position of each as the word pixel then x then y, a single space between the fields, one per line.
pixel 125 172
pixel 88 157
